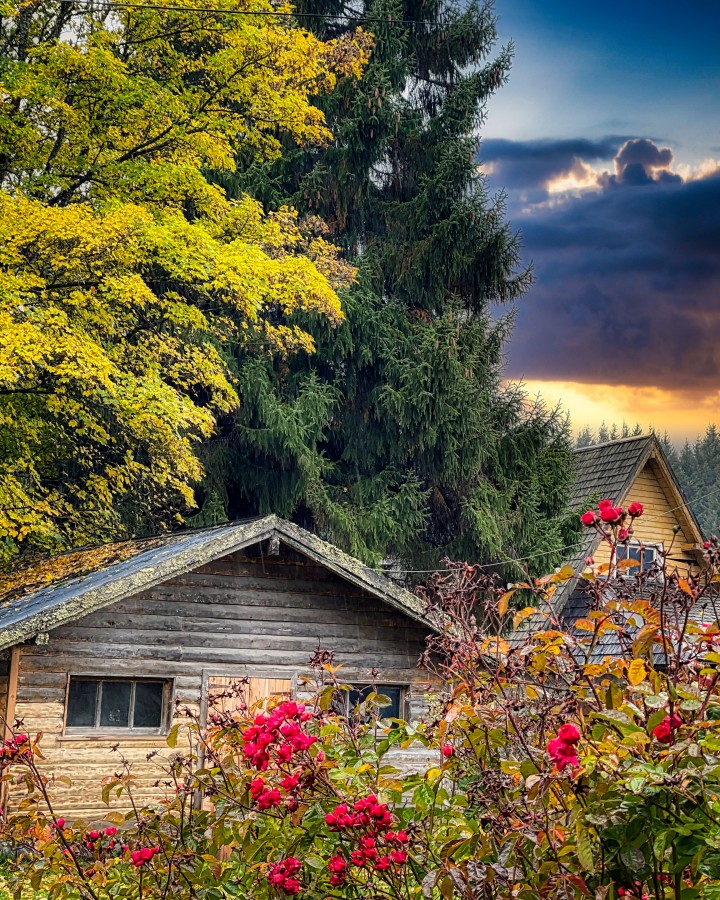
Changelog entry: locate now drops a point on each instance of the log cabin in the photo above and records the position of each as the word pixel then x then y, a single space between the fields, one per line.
pixel 102 645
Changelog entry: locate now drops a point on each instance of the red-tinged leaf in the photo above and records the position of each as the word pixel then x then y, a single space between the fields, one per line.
pixel 580 884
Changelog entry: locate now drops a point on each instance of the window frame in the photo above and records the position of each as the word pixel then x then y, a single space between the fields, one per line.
pixel 403 690
pixel 108 731
pixel 630 571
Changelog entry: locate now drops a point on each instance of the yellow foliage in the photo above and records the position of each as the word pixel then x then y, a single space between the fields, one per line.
pixel 126 277
pixel 637 672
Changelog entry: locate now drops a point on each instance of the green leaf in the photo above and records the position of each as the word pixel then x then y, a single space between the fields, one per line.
pixel 172 737
pixel 584 847
pixel 633 859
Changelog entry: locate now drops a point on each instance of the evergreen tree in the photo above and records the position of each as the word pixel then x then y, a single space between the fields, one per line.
pixel 698 468
pixel 397 438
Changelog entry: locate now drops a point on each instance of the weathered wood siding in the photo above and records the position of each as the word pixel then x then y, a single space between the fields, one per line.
pixel 660 518
pixel 4 680
pixel 240 615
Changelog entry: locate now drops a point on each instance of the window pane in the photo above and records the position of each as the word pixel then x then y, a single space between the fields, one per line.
pixel 390 708
pixel 115 704
pixel 148 704
pixel 82 697
pixel 648 558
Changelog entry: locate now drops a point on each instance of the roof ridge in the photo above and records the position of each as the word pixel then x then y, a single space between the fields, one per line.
pixel 634 437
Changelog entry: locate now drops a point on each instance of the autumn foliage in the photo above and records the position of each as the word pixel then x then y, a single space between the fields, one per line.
pixel 127 278
pixel 551 770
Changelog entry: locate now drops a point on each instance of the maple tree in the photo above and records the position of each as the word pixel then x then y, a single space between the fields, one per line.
pixel 125 273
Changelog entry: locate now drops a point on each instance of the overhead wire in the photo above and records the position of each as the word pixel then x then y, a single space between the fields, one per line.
pixel 576 546
pixel 685 505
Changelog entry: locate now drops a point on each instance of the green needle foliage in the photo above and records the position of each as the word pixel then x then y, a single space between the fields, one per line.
pixel 397 438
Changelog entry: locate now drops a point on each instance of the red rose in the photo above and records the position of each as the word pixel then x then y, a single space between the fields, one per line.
pixel 399 857
pixel 562 754
pixel 605 504
pixel 383 864
pixel 569 733
pixel 60 823
pixel 447 750
pixel 111 831
pixel 663 732
pixel 636 509
pixel 611 514
pixel 623 534
pixel 588 518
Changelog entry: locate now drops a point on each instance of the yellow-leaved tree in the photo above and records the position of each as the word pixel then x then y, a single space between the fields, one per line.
pixel 126 276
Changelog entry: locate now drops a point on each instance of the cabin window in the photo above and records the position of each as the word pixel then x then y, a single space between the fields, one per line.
pixel 391 707
pixel 645 556
pixel 105 704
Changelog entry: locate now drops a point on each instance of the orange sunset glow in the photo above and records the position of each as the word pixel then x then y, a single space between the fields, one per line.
pixel 683 415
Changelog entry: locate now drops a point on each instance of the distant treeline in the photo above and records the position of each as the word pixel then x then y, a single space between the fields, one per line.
pixel 696 464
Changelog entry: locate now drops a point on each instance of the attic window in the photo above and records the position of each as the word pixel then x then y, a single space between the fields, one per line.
pixel 645 556
pixel 110 704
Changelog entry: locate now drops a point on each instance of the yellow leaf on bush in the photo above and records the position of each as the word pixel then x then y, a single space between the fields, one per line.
pixel 636 671
pixel 523 614
pixel 502 606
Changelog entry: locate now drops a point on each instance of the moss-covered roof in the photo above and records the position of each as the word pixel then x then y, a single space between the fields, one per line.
pixel 67 587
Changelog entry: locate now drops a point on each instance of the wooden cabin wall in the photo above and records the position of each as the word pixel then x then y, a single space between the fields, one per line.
pixel 657 524
pixel 260 616
pixel 4 683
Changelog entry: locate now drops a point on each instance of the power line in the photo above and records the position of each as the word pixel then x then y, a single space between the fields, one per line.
pixel 214 10
pixel 575 546
pixel 501 562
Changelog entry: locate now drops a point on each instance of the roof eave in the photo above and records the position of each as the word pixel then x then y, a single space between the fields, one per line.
pixel 240 537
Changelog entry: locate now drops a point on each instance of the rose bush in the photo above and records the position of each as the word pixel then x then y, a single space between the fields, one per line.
pixel 558 772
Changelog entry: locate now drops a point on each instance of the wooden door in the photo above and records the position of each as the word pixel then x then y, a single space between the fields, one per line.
pixel 227 693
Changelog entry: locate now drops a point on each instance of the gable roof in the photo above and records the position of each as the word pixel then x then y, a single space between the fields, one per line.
pixel 604 470
pixel 121 570
pixel 609 470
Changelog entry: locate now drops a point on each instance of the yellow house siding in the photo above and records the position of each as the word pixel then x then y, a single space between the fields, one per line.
pixel 659 520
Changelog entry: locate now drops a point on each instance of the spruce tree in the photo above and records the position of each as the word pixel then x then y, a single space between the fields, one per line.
pixel 397 438
pixel 698 468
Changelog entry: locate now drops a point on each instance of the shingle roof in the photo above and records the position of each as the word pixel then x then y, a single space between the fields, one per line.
pixel 121 570
pixel 608 470
pixel 602 471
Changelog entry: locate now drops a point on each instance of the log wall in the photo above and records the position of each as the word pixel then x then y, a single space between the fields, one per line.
pixel 257 616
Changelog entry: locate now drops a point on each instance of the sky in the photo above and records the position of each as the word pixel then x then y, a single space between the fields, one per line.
pixel 607 142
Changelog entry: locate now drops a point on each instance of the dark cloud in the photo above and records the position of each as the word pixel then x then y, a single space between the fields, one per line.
pixel 627 278
pixel 532 164
pixel 640 162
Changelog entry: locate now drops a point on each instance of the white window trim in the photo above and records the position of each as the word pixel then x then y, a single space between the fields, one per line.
pixel 656 546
